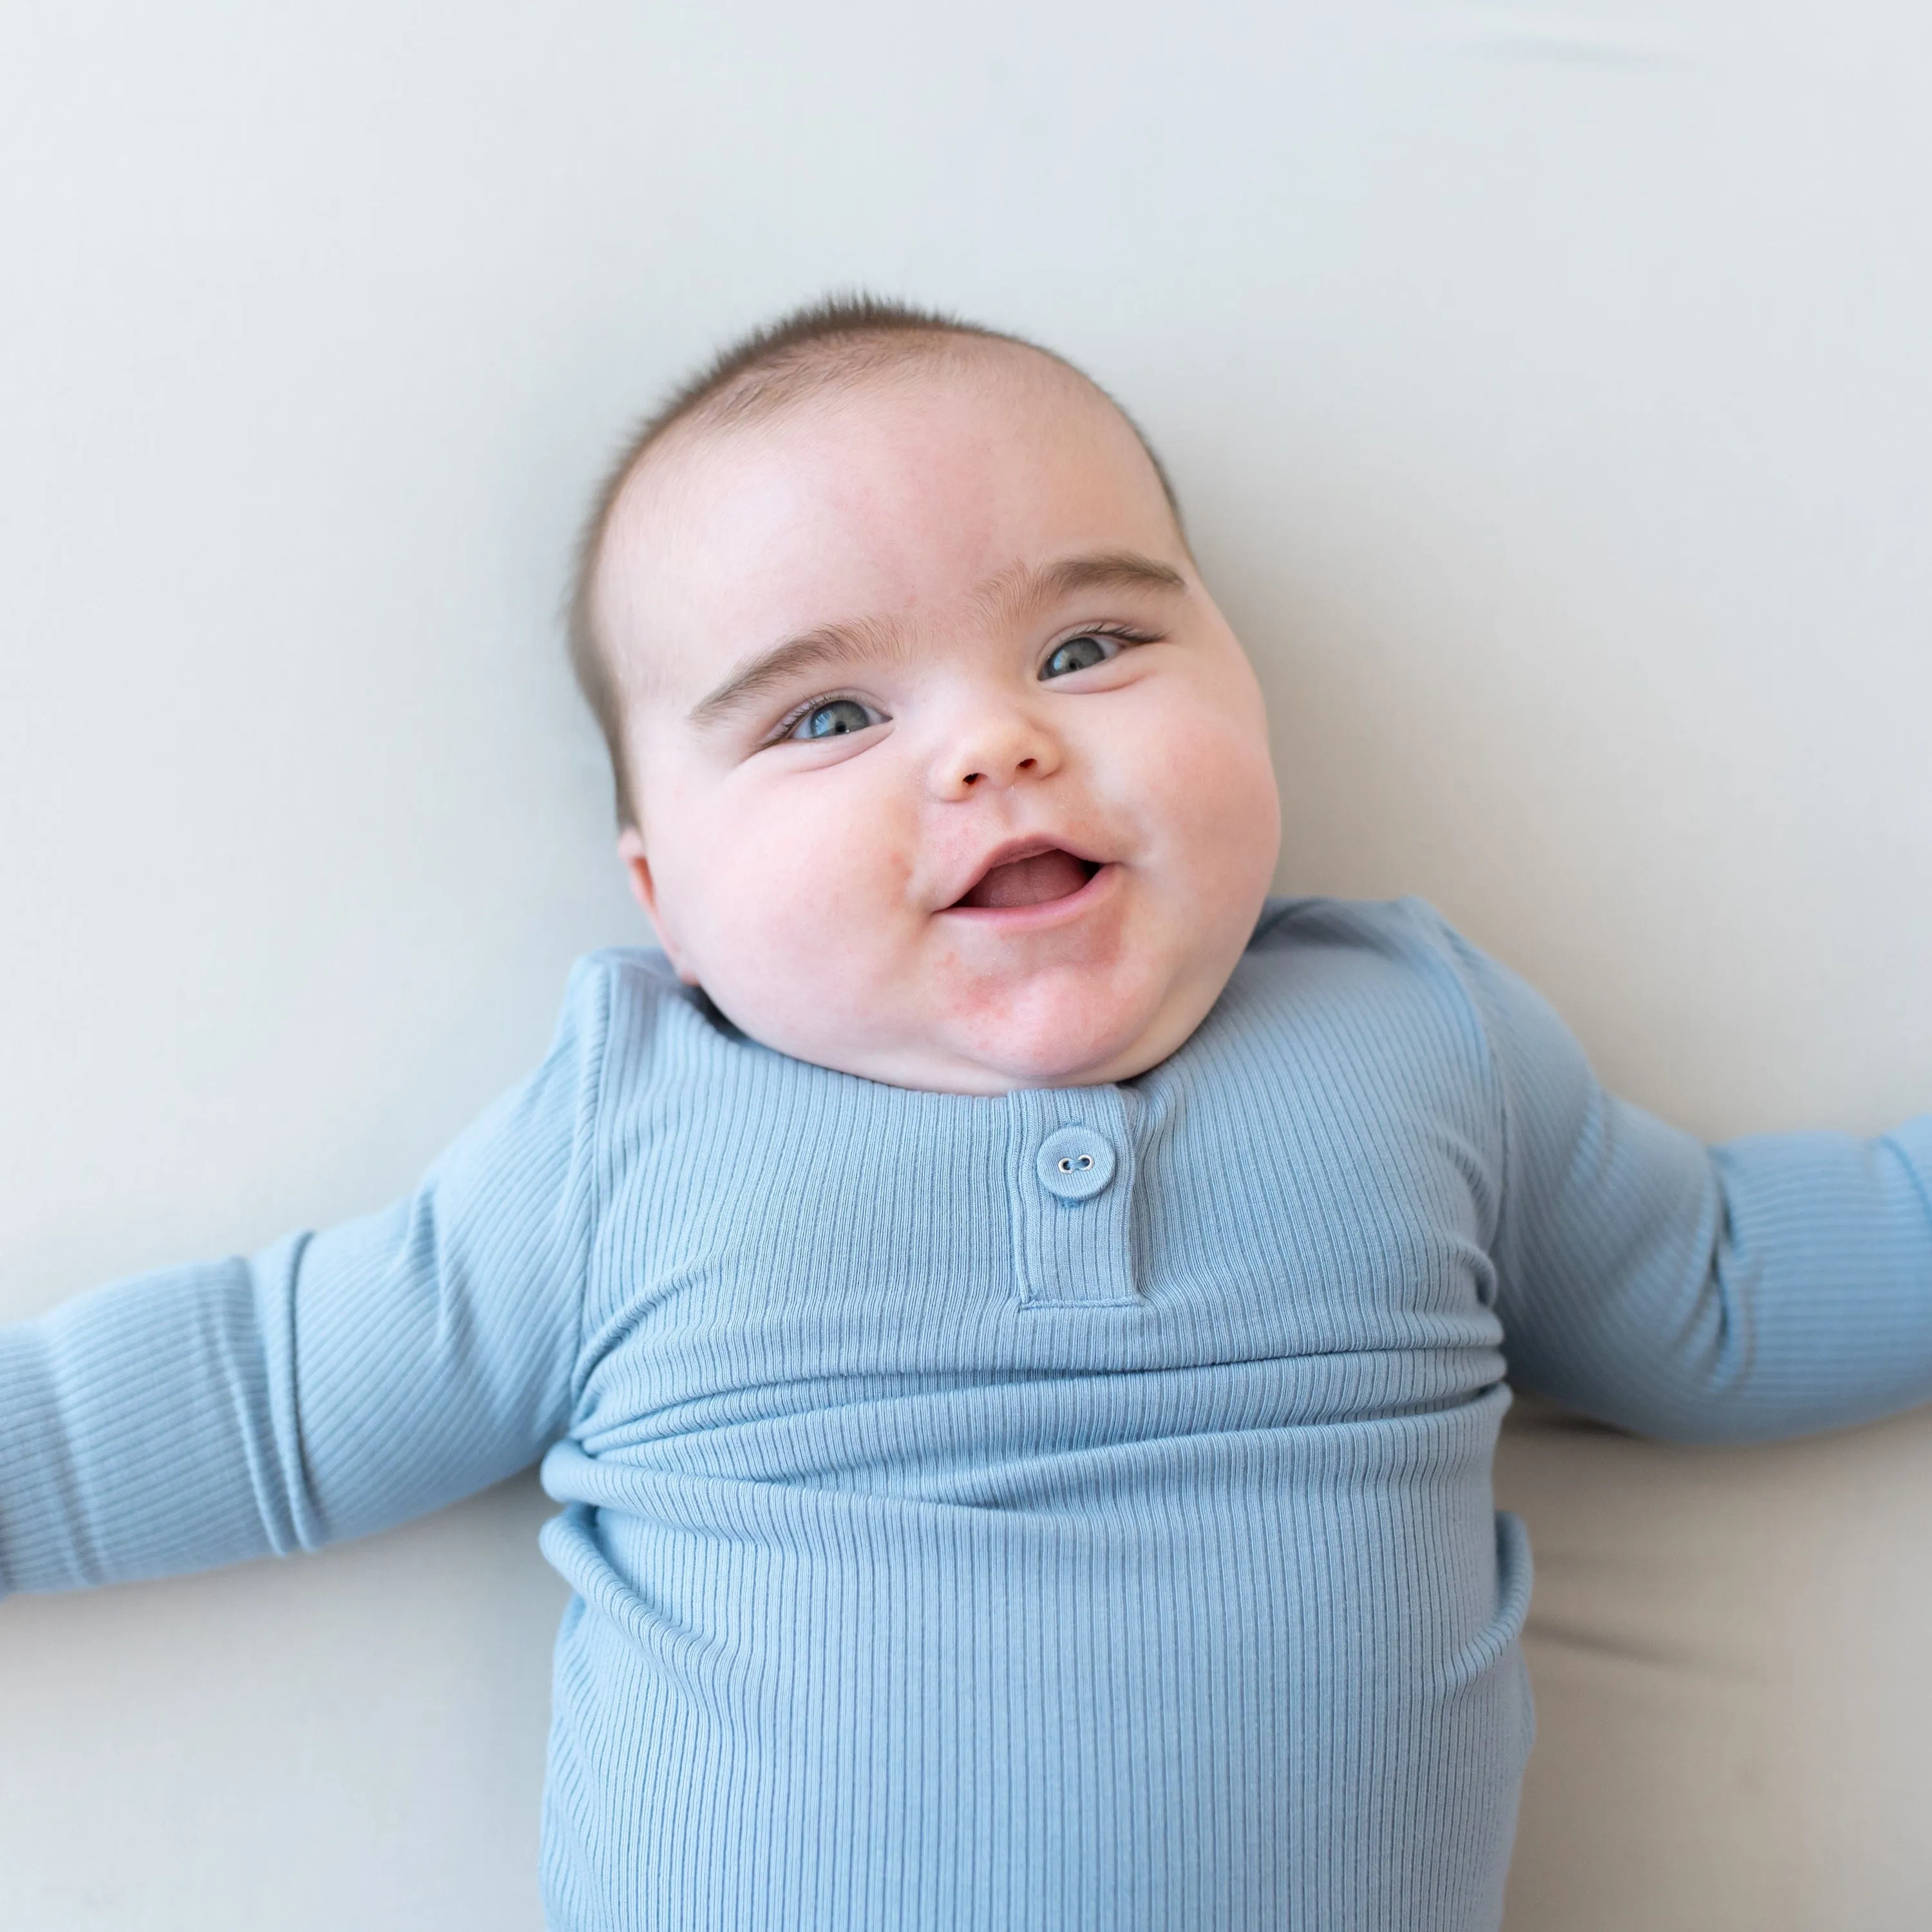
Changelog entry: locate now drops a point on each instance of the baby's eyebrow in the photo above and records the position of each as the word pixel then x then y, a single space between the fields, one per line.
pixel 1027 587
pixel 865 641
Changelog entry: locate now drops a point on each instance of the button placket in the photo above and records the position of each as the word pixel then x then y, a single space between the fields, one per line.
pixel 1072 1183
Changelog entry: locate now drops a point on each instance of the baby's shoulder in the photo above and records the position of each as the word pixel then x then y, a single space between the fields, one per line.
pixel 1374 971
pixel 635 972
pixel 618 1003
pixel 1406 932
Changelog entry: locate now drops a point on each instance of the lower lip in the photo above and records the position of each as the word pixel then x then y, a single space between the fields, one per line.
pixel 1048 913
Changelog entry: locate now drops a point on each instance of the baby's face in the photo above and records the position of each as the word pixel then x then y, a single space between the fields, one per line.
pixel 949 773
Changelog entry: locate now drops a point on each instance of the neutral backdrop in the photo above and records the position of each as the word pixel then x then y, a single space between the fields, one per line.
pixel 1549 389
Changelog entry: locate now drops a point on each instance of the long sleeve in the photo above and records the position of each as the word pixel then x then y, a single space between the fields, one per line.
pixel 335 1384
pixel 1767 1286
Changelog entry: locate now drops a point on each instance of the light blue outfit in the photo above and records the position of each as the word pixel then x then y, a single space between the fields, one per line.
pixel 1069 1510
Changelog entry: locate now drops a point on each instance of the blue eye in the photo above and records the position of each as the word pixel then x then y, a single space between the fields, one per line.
pixel 1079 654
pixel 833 719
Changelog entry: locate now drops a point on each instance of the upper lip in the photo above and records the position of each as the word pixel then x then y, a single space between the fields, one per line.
pixel 1014 849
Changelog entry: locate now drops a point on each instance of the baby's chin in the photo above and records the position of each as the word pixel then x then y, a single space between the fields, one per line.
pixel 1083 1048
pixel 1067 1036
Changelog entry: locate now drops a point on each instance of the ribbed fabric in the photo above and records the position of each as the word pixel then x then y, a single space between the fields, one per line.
pixel 953 1548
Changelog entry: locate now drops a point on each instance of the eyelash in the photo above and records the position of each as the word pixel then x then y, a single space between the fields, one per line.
pixel 1127 634
pixel 783 729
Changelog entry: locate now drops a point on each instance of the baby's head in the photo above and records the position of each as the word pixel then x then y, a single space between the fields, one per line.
pixel 936 763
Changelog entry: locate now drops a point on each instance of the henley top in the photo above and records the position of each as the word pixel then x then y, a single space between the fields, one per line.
pixel 1070 1509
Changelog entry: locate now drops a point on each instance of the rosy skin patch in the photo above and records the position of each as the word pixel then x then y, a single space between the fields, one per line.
pixel 950 772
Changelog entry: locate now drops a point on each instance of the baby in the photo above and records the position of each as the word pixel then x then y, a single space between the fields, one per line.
pixel 1016 1321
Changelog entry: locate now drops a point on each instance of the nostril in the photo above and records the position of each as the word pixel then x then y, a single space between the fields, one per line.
pixel 973 777
pixel 1027 764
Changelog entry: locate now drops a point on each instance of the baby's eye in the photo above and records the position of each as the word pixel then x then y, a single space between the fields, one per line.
pixel 1079 654
pixel 834 718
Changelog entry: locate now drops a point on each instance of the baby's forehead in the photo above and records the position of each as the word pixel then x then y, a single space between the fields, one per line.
pixel 956 411
pixel 887 495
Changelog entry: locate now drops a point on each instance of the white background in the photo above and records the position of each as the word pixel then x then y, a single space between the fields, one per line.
pixel 1549 392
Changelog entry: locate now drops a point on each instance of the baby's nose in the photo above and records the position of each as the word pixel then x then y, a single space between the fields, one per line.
pixel 995 753
pixel 1025 765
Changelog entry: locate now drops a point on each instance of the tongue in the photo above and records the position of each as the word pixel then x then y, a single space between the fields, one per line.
pixel 1046 875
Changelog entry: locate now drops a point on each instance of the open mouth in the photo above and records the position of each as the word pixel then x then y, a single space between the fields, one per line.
pixel 1033 878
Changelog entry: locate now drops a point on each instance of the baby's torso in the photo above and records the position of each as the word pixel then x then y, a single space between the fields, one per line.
pixel 972 1483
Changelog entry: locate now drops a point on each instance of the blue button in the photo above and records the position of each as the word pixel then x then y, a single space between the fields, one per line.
pixel 1075 1163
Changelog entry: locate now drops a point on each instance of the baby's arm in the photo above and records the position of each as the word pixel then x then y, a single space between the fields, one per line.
pixel 1775 1284
pixel 335 1384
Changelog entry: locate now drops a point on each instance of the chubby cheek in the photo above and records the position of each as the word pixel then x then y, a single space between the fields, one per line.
pixel 1202 779
pixel 792 913
pixel 1231 808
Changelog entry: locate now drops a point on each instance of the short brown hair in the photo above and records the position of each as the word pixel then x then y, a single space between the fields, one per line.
pixel 827 343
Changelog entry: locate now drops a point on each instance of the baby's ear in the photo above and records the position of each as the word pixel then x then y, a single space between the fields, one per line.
pixel 643 888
